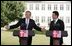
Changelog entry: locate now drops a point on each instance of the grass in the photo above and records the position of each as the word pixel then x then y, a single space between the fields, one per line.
pixel 8 39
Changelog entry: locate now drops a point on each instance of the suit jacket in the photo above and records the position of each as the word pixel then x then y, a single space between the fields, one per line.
pixel 58 26
pixel 22 25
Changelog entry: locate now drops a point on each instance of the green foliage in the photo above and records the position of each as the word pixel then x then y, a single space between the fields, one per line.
pixel 11 10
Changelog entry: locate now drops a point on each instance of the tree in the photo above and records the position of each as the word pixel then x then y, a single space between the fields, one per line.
pixel 11 10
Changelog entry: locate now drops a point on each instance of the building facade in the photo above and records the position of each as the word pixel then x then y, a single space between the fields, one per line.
pixel 42 13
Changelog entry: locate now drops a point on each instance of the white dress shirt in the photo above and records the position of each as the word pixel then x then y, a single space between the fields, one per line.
pixel 27 22
pixel 56 20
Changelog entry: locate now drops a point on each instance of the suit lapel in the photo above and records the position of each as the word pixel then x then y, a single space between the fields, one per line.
pixel 24 22
pixel 54 24
pixel 57 21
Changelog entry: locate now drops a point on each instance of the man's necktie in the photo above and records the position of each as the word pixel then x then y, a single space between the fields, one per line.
pixel 27 24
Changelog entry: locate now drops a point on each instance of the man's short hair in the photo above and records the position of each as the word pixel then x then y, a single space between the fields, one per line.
pixel 56 13
pixel 28 11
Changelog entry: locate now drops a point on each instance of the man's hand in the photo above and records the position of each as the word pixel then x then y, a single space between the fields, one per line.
pixel 43 29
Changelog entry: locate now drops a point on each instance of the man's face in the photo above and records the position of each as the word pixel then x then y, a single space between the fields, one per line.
pixel 54 16
pixel 27 14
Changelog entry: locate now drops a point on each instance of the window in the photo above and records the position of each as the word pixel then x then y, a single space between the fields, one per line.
pixel 49 7
pixel 37 19
pixel 49 19
pixel 55 7
pixel 67 19
pixel 37 6
pixel 43 6
pixel 31 6
pixel 61 7
pixel 43 19
pixel 67 7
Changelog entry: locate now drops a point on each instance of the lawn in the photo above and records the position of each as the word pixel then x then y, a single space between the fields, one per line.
pixel 8 39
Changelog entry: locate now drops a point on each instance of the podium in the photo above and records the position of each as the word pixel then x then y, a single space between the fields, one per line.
pixel 55 34
pixel 25 40
pixel 30 33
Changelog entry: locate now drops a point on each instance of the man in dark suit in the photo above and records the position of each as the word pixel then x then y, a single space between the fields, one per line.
pixel 56 24
pixel 28 24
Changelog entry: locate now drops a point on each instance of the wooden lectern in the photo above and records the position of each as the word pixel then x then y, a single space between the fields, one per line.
pixel 56 35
